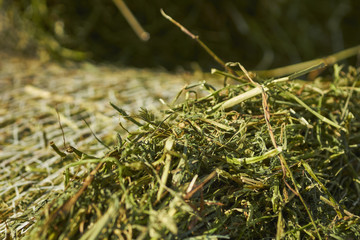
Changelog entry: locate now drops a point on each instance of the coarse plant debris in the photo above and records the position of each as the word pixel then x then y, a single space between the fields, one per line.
pixel 267 158
pixel 196 173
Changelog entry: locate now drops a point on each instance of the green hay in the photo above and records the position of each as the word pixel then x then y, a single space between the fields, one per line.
pixel 268 158
pixel 195 173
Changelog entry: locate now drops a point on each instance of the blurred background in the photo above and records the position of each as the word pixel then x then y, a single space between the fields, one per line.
pixel 261 34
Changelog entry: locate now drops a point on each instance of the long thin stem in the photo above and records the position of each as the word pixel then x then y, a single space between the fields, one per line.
pixel 196 38
pixel 328 61
pixel 135 25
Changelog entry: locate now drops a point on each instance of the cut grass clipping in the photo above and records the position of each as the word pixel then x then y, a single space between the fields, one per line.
pixel 200 172
pixel 267 158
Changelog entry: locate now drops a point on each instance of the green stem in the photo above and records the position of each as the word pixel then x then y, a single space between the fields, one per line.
pixel 321 117
pixel 328 61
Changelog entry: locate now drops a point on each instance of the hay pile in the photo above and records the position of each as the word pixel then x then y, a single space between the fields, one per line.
pixel 203 170
pixel 266 158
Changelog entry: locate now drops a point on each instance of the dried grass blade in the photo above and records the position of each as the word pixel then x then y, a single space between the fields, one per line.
pixel 140 32
pixel 251 160
pixel 332 199
pixel 238 99
pixel 95 230
pixel 196 38
pixel 164 177
pixel 327 61
pixel 321 117
pixel 125 115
